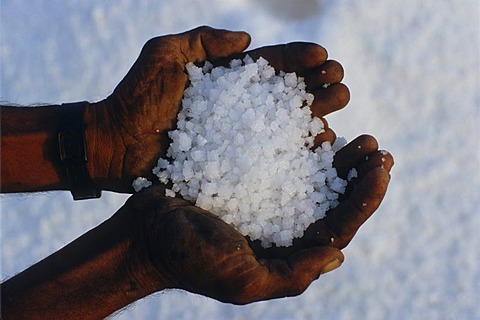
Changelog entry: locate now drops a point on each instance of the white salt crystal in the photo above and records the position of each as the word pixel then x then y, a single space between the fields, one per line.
pixel 188 170
pixel 296 101
pixel 198 155
pixel 212 170
pixel 140 183
pixel 184 141
pixel 338 185
pixel 352 174
pixel 241 151
pixel 316 126
pixel 170 193
pixel 209 188
pixel 291 80
pixel 339 143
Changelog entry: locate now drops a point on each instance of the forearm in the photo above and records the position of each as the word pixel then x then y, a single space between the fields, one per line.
pixel 30 147
pixel 92 277
pixel 29 150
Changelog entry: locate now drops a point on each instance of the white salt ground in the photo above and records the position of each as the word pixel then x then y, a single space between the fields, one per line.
pixel 242 151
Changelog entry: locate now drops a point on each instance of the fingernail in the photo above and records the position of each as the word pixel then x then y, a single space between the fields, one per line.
pixel 332 265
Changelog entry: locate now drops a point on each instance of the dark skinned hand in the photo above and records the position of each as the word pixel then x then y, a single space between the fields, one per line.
pixel 191 249
pixel 128 130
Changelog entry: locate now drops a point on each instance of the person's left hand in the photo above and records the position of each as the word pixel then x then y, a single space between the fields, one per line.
pixel 194 250
pixel 127 132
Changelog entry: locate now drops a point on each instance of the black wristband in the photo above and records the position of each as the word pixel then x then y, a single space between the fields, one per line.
pixel 71 142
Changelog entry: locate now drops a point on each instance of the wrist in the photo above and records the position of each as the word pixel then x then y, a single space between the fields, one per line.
pixel 72 151
pixel 148 210
pixel 145 276
pixel 103 149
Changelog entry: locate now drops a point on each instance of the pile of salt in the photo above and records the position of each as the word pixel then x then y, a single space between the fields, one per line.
pixel 241 150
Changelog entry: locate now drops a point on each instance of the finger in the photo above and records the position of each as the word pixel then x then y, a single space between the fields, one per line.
pixel 377 159
pixel 328 73
pixel 346 219
pixel 323 259
pixel 353 154
pixel 291 277
pixel 295 57
pixel 327 135
pixel 330 99
pixel 205 43
pixel 307 265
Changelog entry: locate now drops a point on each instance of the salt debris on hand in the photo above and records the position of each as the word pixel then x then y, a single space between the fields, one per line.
pixel 352 174
pixel 241 150
pixel 140 183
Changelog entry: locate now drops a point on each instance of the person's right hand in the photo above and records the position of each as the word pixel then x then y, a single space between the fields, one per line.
pixel 189 248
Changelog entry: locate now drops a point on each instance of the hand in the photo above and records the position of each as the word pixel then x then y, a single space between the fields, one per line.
pixel 131 125
pixel 194 250
pixel 127 132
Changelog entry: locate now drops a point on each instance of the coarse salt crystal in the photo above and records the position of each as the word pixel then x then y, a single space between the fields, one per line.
pixel 170 193
pixel 352 174
pixel 140 183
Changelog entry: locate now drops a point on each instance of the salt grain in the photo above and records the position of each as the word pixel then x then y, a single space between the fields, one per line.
pixel 170 193
pixel 140 183
pixel 352 174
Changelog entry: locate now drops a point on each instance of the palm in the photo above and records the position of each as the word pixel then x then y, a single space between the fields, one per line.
pixel 202 254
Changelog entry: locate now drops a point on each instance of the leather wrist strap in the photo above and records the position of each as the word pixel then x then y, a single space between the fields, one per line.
pixel 71 141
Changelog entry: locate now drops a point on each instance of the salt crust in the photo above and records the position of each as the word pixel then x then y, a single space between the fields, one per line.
pixel 242 151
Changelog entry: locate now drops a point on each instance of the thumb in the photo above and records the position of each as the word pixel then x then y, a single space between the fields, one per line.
pixel 307 265
pixel 316 261
pixel 209 43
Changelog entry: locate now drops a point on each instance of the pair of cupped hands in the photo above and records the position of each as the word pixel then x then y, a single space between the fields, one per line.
pixel 190 248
